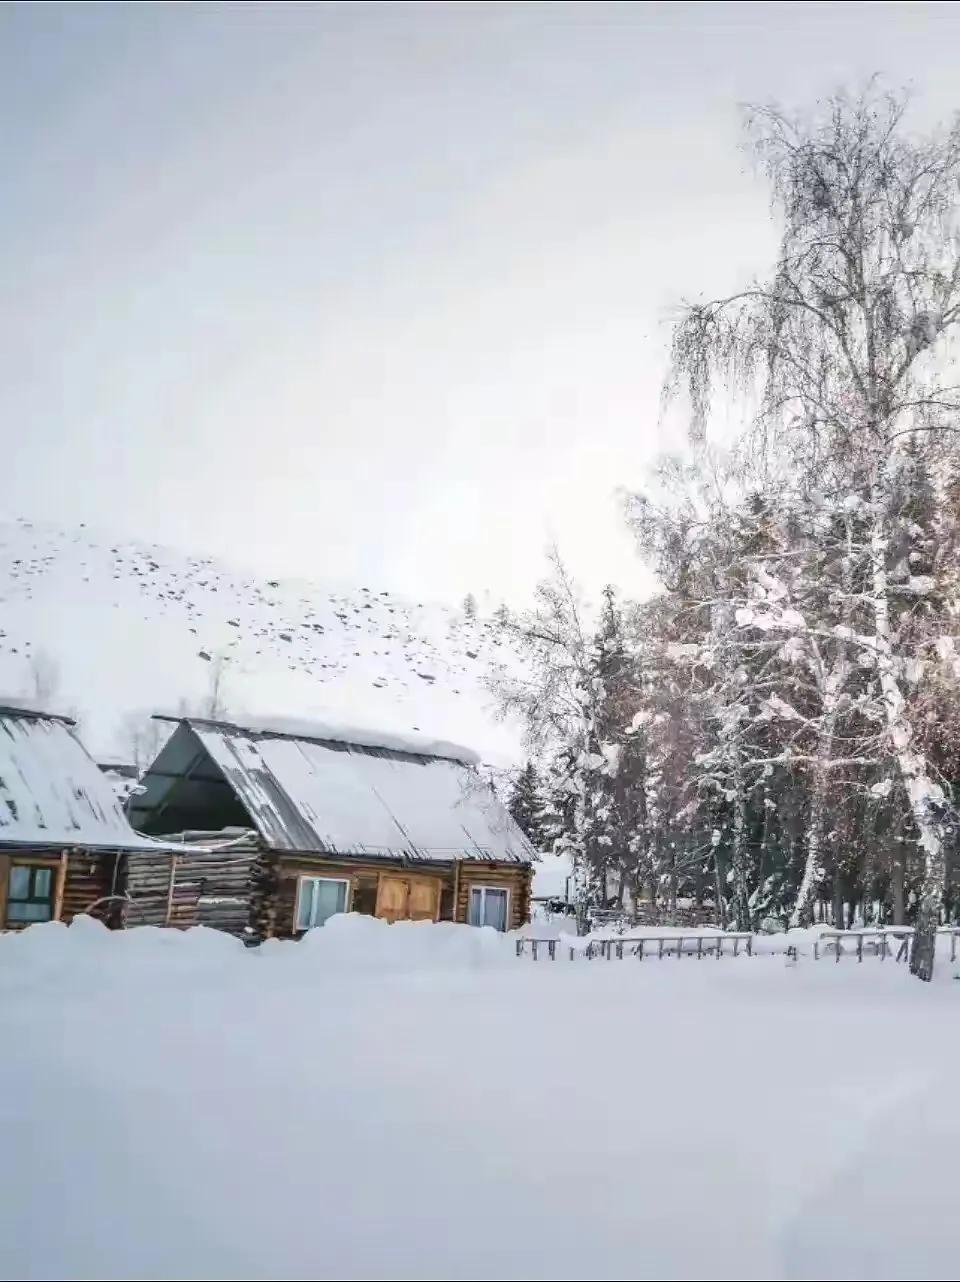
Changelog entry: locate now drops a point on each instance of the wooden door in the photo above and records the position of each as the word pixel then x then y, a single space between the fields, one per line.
pixel 393 895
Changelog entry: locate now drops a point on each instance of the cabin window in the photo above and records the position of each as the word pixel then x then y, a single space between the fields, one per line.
pixel 488 906
pixel 318 898
pixel 30 893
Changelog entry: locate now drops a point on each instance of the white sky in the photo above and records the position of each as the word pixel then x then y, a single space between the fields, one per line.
pixel 380 293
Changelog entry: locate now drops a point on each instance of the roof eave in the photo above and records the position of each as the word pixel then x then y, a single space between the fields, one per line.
pixel 33 714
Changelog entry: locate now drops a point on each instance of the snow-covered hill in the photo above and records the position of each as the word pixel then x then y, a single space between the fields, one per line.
pixel 120 629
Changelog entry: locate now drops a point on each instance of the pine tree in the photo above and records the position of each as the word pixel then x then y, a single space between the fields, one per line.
pixel 526 804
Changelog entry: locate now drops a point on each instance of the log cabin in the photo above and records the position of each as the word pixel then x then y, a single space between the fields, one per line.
pixel 298 822
pixel 64 837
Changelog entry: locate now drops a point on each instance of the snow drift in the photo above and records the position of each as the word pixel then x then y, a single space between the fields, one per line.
pixel 413 1101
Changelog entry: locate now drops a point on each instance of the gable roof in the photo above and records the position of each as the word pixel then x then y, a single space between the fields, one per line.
pixel 331 796
pixel 52 793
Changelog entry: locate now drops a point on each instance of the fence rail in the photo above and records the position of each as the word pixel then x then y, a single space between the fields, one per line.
pixel 689 943
pixel 877 940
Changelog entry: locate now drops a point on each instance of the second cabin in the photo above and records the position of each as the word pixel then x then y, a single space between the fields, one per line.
pixel 293 825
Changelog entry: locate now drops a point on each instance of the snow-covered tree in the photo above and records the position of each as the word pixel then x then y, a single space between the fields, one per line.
pixel 848 346
pixel 525 802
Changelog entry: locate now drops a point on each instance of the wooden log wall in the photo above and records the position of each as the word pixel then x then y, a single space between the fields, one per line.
pixel 288 869
pixel 277 914
pixel 242 890
pixel 89 878
pixel 194 889
pixel 82 878
pixel 514 877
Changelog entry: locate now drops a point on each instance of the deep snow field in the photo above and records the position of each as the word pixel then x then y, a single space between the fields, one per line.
pixel 413 1101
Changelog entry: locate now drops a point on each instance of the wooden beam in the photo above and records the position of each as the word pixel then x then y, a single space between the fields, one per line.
pixel 60 886
pixel 172 883
pixel 456 887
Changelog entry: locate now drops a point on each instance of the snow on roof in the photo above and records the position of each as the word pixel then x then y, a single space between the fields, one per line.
pixel 20 705
pixel 51 791
pixel 342 797
pixel 340 732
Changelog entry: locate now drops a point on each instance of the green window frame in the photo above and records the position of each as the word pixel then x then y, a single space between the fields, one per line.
pixel 31 891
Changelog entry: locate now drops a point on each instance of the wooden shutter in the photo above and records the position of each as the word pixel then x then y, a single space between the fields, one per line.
pixel 424 900
pixel 393 895
pixel 408 898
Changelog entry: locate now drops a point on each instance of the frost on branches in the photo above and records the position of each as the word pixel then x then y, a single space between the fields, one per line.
pixel 848 348
pixel 776 733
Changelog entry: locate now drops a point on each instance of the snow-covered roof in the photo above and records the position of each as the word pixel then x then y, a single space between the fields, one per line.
pixel 22 705
pixel 52 793
pixel 330 795
pixel 340 732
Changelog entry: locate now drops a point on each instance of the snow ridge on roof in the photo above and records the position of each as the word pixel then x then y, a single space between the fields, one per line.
pixel 418 744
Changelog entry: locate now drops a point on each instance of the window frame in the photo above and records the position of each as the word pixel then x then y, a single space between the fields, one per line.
pixel 52 897
pixel 484 887
pixel 309 876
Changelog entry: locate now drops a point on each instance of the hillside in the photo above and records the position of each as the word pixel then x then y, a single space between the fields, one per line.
pixel 113 629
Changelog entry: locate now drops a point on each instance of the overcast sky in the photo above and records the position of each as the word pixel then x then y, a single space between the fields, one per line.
pixel 373 292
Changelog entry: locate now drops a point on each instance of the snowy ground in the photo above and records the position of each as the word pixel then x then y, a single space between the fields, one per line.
pixel 412 1101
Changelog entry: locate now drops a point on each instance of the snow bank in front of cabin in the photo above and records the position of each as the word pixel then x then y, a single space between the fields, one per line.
pixel 414 1101
pixel 352 943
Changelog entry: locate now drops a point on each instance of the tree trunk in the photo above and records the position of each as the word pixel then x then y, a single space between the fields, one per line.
pixel 897 891
pixel 832 684
pixel 925 936
pixel 925 795
pixel 741 892
pixel 813 867
pixel 721 909
pixel 837 900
